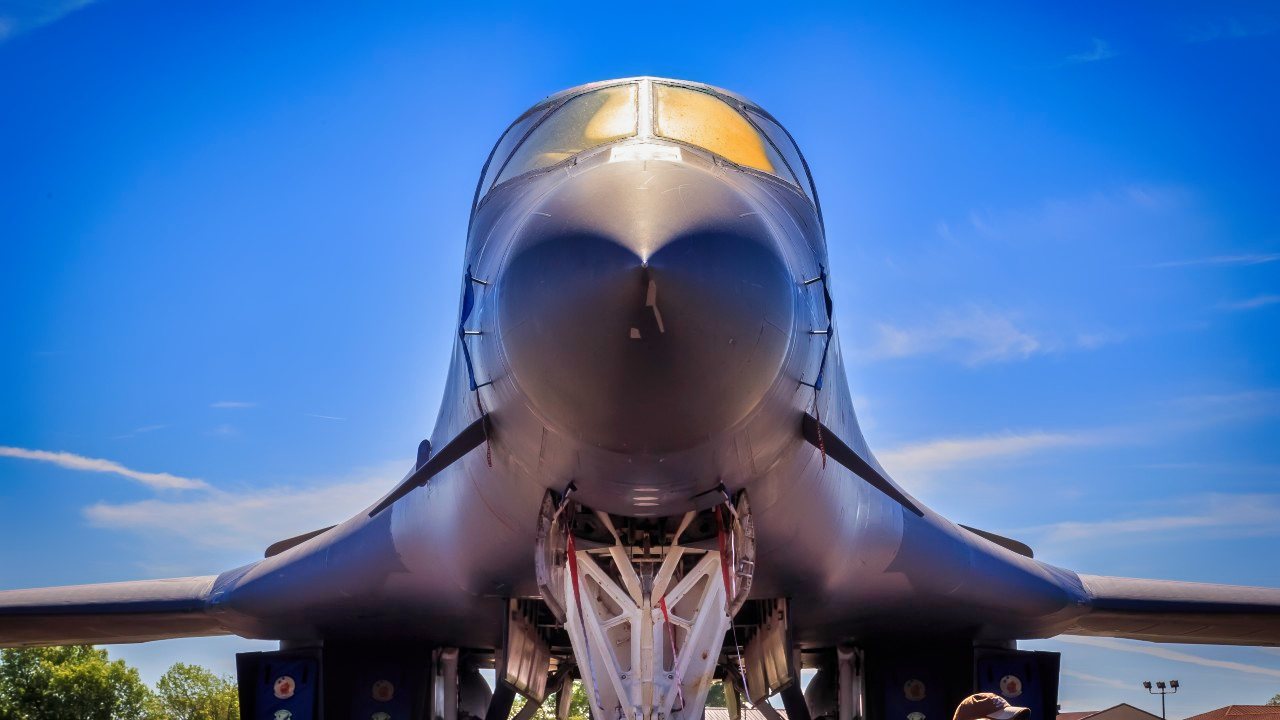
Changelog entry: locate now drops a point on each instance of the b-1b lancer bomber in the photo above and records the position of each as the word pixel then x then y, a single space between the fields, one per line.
pixel 647 476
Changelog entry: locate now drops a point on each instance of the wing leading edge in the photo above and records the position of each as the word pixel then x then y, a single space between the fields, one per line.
pixel 1181 612
pixel 123 612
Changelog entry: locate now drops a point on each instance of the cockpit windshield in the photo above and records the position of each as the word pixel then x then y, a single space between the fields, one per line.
pixel 586 121
pixel 723 126
pixel 701 119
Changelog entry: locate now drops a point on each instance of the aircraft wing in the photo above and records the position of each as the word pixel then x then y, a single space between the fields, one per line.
pixel 123 612
pixel 1181 612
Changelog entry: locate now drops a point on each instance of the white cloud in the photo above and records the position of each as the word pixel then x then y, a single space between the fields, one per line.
pixel 249 521
pixel 71 461
pixel 141 431
pixel 1213 409
pixel 23 17
pixel 1238 514
pixel 1165 653
pixel 1252 303
pixel 232 405
pixel 224 430
pixel 1096 680
pixel 1101 50
pixel 951 452
pixel 974 336
pixel 1134 211
pixel 1217 468
pixel 1180 415
pixel 1223 260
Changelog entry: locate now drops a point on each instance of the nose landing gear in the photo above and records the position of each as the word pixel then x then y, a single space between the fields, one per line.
pixel 646 602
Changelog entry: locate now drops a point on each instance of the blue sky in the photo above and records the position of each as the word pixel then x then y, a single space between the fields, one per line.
pixel 232 234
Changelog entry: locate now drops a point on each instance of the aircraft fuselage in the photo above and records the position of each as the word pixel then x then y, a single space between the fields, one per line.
pixel 648 322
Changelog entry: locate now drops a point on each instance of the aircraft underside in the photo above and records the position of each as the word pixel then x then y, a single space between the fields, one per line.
pixel 646 613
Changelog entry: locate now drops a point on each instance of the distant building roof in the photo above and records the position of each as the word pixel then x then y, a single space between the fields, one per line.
pixel 1123 711
pixel 1235 711
pixel 719 713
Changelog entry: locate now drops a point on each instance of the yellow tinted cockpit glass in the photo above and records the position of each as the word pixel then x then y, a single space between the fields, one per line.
pixel 591 119
pixel 704 120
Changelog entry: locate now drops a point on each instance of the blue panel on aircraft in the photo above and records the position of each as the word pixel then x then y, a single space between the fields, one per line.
pixel 280 688
pixel 1025 679
pixel 914 691
pixel 382 692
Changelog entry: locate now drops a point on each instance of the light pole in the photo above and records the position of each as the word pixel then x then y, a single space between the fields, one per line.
pixel 1162 690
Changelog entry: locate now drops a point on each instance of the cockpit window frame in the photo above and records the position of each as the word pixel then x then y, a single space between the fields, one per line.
pixel 481 190
pixel 740 107
pixel 747 111
pixel 549 108
pixel 801 178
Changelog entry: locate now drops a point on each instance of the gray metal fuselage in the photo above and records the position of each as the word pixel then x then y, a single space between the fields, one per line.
pixel 643 329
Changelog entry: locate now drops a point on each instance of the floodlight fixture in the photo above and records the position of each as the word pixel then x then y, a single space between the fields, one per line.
pixel 1162 688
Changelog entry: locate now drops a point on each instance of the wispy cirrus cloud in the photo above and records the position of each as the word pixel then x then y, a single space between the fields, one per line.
pixel 1226 407
pixel 1100 50
pixel 950 453
pixel 248 521
pixel 1217 468
pixel 71 461
pixel 1243 259
pixel 1179 415
pixel 140 431
pixel 1244 514
pixel 1115 212
pixel 1252 303
pixel 1164 653
pixel 225 430
pixel 973 335
pixel 232 405
pixel 1097 680
pixel 16 18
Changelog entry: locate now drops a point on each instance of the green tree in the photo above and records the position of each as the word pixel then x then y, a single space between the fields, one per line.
pixel 715 696
pixel 579 708
pixel 190 692
pixel 1275 700
pixel 69 682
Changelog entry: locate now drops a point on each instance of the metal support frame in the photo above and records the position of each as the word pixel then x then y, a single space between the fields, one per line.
pixel 504 696
pixel 646 642
pixel 525 661
pixel 770 665
pixel 849 682
pixel 527 710
pixel 793 694
pixel 444 695
pixel 564 698
pixel 793 701
pixel 732 700
pixel 647 653
pixel 768 711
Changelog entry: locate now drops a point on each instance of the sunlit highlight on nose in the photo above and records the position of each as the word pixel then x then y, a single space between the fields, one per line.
pixel 645 151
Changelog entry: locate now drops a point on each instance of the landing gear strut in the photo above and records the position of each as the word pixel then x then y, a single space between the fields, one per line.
pixel 646 602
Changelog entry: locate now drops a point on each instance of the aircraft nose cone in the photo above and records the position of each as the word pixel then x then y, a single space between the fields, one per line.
pixel 645 310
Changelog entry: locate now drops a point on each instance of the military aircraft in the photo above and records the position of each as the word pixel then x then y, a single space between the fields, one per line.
pixel 646 475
